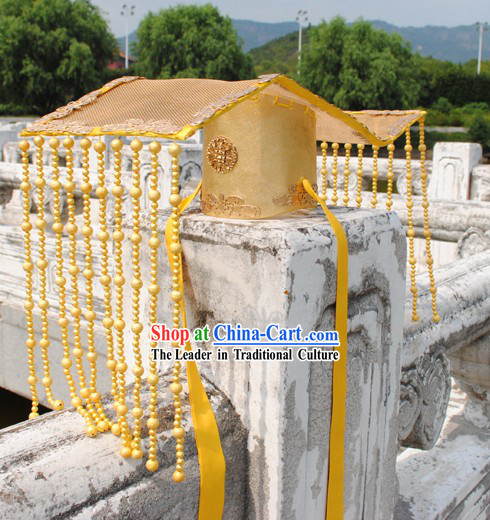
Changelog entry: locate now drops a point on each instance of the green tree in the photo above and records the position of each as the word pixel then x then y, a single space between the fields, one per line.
pixel 51 51
pixel 479 131
pixel 357 67
pixel 190 41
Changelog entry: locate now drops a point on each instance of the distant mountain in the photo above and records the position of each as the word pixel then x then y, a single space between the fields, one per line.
pixel 457 44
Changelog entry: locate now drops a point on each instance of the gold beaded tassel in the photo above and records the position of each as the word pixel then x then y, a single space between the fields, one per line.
pixel 335 171
pixel 177 298
pixel 60 280
pixel 374 199
pixel 324 147
pixel 348 148
pixel 389 190
pixel 73 269
pixel 105 278
pixel 360 174
pixel 411 231
pixel 88 273
pixel 42 265
pixel 119 324
pixel 153 289
pixel 425 206
pixel 136 283
pixel 28 268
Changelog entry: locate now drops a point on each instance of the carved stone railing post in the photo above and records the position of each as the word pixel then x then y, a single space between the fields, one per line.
pixel 283 271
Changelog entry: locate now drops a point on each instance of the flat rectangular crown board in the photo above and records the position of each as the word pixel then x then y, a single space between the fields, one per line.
pixel 259 161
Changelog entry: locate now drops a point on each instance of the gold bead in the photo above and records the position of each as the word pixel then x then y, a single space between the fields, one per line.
pixel 103 236
pixel 151 465
pixel 125 452
pixel 107 323
pixel 66 362
pixel 137 412
pixel 174 149
pixel 58 404
pixel 347 146
pixel 136 454
pixel 137 328
pixel 57 227
pixel 44 343
pixel 136 145
pixel 436 318
pixel 111 364
pixel 47 381
pixel 153 379
pixel 32 380
pixel 178 433
pixel 176 296
pixel 27 266
pixel 38 141
pixel 43 304
pixel 116 429
pixel 99 146
pixel 155 147
pixel 70 186
pixel 118 236
pixel 135 192
pixel 119 325
pixel 153 423
pixel 117 145
pixel 154 242
pixel 26 226
pixel 24 145
pixel 85 143
pixel 154 289
pixel 92 357
pixel 85 393
pixel 102 426
pixel 178 476
pixel 121 409
pixel 136 283
pixel 176 388
pixel 154 195
pixel 119 280
pixel 76 402
pixel 121 367
pixel 135 238
pixel 175 200
pixel 117 191
pixel 95 397
pixel 77 353
pixel 68 142
pixel 33 415
pixel 391 147
pixel 85 187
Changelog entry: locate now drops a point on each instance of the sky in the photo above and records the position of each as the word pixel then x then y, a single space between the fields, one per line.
pixel 397 12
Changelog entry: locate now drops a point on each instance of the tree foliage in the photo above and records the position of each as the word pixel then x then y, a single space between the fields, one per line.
pixel 190 41
pixel 51 51
pixel 356 66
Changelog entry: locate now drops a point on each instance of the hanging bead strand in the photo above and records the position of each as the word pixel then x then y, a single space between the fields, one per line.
pixel 374 199
pixel 136 284
pixel 154 290
pixel 324 147
pixel 88 273
pixel 28 267
pixel 60 281
pixel 335 172
pixel 177 298
pixel 119 280
pixel 348 148
pixel 73 269
pixel 360 174
pixel 425 206
pixel 411 231
pixel 389 190
pixel 105 279
pixel 42 265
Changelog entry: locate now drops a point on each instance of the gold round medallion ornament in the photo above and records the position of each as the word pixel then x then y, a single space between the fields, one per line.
pixel 221 154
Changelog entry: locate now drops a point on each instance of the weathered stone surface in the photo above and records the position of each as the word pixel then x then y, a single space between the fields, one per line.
pixel 452 164
pixel 451 481
pixel 283 271
pixel 50 469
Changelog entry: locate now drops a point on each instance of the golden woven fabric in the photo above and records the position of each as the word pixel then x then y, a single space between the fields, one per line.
pixel 176 108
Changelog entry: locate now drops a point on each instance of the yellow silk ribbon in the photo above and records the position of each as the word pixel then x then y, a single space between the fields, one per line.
pixel 335 491
pixel 212 465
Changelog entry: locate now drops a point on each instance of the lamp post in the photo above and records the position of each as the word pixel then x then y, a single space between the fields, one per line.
pixel 127 11
pixel 301 19
pixel 480 27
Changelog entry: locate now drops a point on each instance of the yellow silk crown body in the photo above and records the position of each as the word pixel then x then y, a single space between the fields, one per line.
pixel 255 156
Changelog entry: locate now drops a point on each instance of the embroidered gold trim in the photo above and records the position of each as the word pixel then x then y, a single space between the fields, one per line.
pixel 231 206
pixel 221 154
pixel 296 196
